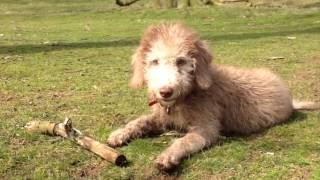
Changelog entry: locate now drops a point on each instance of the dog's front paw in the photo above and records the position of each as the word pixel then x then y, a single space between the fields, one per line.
pixel 166 162
pixel 118 138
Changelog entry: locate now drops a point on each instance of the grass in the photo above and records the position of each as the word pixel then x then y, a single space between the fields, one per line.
pixel 72 59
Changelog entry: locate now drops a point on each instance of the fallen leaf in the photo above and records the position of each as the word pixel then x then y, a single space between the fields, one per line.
pixel 95 87
pixel 270 153
pixel 276 58
pixel 87 28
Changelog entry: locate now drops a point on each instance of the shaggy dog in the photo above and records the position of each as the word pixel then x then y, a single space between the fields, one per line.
pixel 190 95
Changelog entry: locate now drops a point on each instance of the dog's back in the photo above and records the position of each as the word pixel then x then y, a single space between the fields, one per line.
pixel 252 99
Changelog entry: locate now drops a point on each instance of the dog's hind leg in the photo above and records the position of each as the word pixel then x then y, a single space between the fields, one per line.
pixel 134 129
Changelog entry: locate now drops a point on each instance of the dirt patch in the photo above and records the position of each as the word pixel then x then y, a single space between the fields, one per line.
pixel 6 97
pixel 90 170
pixel 301 173
pixel 313 60
pixel 314 77
pixel 307 80
pixel 152 173
pixel 17 143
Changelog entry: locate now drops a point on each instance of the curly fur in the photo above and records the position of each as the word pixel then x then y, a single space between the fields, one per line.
pixel 207 99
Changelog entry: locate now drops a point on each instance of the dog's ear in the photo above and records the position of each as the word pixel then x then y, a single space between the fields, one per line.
pixel 137 78
pixel 202 70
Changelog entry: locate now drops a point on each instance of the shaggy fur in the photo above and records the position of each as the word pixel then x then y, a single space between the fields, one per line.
pixel 189 94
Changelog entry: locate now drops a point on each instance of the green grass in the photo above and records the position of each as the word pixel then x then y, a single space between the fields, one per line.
pixel 72 59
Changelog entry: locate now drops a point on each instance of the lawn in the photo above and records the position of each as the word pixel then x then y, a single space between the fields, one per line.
pixel 72 59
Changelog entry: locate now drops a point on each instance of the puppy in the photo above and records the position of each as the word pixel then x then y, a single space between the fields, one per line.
pixel 189 94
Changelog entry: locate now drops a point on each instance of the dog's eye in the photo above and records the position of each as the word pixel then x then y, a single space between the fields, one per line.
pixel 154 62
pixel 180 62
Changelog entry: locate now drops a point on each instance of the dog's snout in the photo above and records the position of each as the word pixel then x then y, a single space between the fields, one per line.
pixel 166 92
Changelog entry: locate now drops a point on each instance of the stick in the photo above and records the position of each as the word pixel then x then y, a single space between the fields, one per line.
pixel 67 131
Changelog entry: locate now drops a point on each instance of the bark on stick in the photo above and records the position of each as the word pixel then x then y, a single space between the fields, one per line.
pixel 67 131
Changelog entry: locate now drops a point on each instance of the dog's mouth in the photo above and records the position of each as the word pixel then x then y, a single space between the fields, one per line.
pixel 167 102
pixel 162 102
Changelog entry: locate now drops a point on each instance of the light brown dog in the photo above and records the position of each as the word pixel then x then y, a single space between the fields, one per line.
pixel 189 94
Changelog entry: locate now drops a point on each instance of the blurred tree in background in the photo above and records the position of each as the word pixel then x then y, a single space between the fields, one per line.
pixel 193 3
pixel 169 3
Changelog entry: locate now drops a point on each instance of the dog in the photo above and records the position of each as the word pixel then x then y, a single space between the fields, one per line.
pixel 189 94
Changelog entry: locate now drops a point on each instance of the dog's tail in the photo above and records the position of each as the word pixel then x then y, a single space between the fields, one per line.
pixel 305 105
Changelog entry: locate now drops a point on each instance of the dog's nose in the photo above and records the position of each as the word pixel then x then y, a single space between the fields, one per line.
pixel 166 92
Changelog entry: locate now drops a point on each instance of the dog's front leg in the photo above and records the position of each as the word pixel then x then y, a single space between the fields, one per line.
pixel 134 129
pixel 192 142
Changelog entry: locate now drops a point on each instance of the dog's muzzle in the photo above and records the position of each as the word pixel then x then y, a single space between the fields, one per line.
pixel 166 104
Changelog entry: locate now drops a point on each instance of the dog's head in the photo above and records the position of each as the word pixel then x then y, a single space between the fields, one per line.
pixel 171 61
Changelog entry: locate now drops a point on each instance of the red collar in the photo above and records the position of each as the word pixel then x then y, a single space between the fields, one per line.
pixel 152 102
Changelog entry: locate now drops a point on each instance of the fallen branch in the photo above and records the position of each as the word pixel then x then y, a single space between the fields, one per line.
pixel 67 131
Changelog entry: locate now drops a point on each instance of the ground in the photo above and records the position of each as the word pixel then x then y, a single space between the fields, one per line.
pixel 72 59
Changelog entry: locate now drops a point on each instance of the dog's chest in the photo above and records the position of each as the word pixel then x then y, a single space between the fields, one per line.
pixel 177 119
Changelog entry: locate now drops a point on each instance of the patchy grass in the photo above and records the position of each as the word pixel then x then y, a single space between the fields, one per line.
pixel 73 59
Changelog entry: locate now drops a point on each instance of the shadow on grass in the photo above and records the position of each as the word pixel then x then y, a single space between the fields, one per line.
pixel 312 5
pixel 36 48
pixel 296 116
pixel 257 35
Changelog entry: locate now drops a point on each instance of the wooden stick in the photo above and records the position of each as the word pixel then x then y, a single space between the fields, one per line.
pixel 67 131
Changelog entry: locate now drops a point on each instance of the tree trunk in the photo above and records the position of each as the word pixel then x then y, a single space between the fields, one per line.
pixel 125 2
